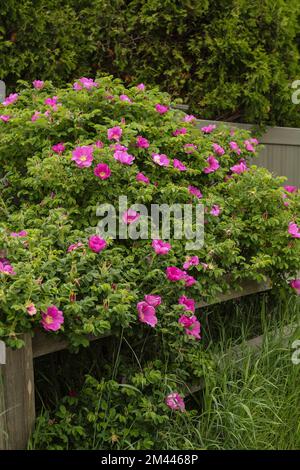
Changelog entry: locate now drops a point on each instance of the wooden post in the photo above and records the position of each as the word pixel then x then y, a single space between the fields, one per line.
pixel 17 405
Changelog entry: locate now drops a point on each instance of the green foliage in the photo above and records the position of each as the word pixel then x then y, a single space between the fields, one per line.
pixel 228 59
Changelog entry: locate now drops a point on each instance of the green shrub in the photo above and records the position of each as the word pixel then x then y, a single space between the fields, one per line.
pixel 49 202
pixel 229 59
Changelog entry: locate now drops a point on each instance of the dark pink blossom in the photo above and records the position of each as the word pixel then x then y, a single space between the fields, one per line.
pixel 99 144
pixel 20 234
pixel 175 274
pixel 175 402
pixel 161 108
pixel 36 116
pixel 153 300
pixel 294 230
pixel 291 189
pixel 213 165
pixel 180 131
pixel 239 168
pixel 218 149
pixel 295 284
pixel 52 319
pixel 97 243
pixel 142 142
pixel 142 178
pixel 189 280
pixel 188 304
pixel 191 325
pixel 234 147
pixel 59 148
pixel 215 210
pixel 102 171
pixel 4 118
pixel 195 191
pixel 248 146
pixel 6 267
pixel 190 261
pixel 125 98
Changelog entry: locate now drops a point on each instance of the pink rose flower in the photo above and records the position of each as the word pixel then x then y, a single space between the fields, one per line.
pixel 191 325
pixel 12 98
pixel 160 159
pixel 294 230
pixel 208 129
pixel 35 116
pixel 175 402
pixel 102 171
pixel 142 178
pixel 99 144
pixel 175 274
pixel 83 156
pixel 147 314
pixel 180 131
pixel 213 165
pixel 291 189
pixel 189 118
pixel 125 98
pixel 189 280
pixel 114 133
pixel 58 148
pixel 84 82
pixel 218 149
pixel 130 216
pixel 191 261
pixel 141 87
pixel 241 167
pixel 295 284
pixel 195 192
pixel 215 210
pixel 161 109
pixel 6 267
pixel 20 234
pixel 142 142
pixel 153 300
pixel 179 165
pixel 123 157
pixel 160 247
pixel 188 304
pixel 97 243
pixel 31 310
pixel 189 148
pixel 4 118
pixel 234 147
pixel 248 146
pixel 74 246
pixel 52 319
pixel 38 84
pixel 52 102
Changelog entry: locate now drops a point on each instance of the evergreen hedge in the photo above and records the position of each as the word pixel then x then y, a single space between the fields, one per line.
pixel 230 59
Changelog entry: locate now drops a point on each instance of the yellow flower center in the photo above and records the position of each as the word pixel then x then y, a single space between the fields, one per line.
pixel 48 319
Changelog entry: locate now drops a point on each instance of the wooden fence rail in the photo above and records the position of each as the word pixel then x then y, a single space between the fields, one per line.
pixel 17 400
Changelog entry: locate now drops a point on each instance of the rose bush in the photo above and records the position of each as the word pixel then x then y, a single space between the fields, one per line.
pixel 65 151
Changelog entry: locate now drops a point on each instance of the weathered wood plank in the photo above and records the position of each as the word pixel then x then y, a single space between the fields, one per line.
pixel 17 412
pixel 246 288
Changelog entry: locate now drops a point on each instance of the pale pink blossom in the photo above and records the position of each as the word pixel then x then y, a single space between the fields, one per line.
pixel 38 84
pixel 239 168
pixel 160 159
pixel 83 156
pixel 21 234
pixel 248 146
pixel 189 148
pixel 124 157
pixel 189 280
pixel 74 246
pixel 12 98
pixel 215 210
pixel 4 118
pixel 189 118
pixel 234 147
pixel 130 216
pixel 160 247
pixel 218 149
pixel 208 129
pixel 190 261
pixel 141 87
pixel 125 98
pixel 36 116
pixel 99 144
pixel 31 310
pixel 161 108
